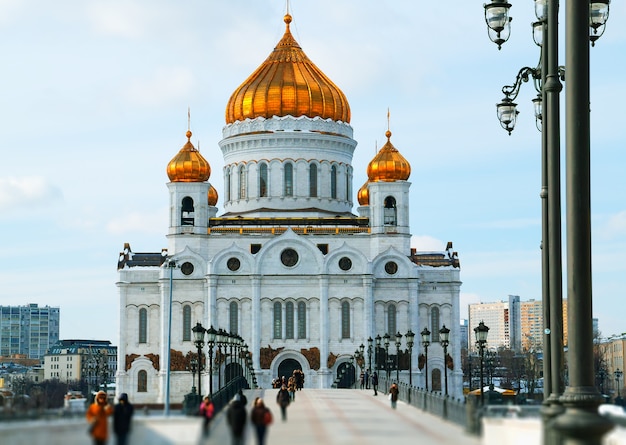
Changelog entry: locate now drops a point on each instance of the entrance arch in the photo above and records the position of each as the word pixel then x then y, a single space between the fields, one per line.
pixel 287 367
pixel 346 373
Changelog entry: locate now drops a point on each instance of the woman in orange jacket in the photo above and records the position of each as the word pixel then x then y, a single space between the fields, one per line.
pixel 97 415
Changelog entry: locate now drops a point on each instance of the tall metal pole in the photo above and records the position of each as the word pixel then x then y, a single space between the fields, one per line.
pixel 200 367
pixel 482 384
pixel 581 423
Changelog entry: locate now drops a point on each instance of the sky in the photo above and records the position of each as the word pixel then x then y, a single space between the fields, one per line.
pixel 94 96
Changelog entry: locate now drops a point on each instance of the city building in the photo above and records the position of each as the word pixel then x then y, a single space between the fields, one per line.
pixel 503 319
pixel 613 365
pixel 287 265
pixel 28 330
pixel 92 361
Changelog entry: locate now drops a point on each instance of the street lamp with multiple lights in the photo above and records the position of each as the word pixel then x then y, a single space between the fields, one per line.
pixel 618 375
pixel 410 336
pixel 425 342
pixel 444 339
pixel 481 332
pixel 377 352
pixel 198 339
pixel 370 347
pixel 386 339
pixel 398 344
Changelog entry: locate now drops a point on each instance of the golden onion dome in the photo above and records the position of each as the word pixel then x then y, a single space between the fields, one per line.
pixel 212 196
pixel 287 84
pixel 388 164
pixel 188 165
pixel 363 196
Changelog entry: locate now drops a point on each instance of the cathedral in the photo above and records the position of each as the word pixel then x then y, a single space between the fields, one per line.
pixel 287 265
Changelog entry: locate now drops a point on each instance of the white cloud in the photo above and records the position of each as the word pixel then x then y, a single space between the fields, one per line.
pixel 615 226
pixel 139 222
pixel 27 192
pixel 424 243
pixel 118 18
pixel 168 84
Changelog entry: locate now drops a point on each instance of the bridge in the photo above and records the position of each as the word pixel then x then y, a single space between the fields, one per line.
pixel 318 416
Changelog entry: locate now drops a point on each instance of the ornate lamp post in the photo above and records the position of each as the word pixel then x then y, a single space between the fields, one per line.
pixel 198 336
pixel 221 340
pixel 398 344
pixel 386 338
pixel 410 336
pixel 618 375
pixel 353 370
pixel 481 332
pixel 193 367
pixel 444 338
pixel 376 352
pixel 425 342
pixel 211 334
pixel 171 265
pixel 370 346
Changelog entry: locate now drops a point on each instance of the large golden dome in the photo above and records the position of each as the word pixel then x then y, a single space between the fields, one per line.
pixel 287 84
pixel 388 164
pixel 188 165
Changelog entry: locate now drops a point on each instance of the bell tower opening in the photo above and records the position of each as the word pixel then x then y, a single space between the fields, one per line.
pixel 187 212
pixel 390 211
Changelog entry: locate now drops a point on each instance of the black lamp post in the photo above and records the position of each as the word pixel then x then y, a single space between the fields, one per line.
pixel 444 337
pixel 211 335
pixel 386 339
pixel 352 365
pixel 425 342
pixel 198 335
pixel 221 340
pixel 618 375
pixel 481 332
pixel 193 367
pixel 398 344
pixel 370 346
pixel 410 336
pixel 377 352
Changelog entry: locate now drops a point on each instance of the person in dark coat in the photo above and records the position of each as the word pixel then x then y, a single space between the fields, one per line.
pixel 283 399
pixel 261 418
pixel 375 382
pixel 122 419
pixel 242 397
pixel 393 395
pixel 237 417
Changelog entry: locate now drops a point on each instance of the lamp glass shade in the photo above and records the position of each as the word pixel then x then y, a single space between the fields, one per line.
pixel 198 333
pixel 362 348
pixel 410 336
pixel 425 336
pixel 497 15
pixel 598 13
pixel 386 338
pixel 210 335
pixel 444 334
pixel 378 338
pixel 370 342
pixel 481 332
pixel 541 9
pixel 538 32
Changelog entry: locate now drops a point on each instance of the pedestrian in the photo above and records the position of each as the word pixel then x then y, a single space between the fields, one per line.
pixel 122 418
pixel 282 398
pixel 206 411
pixel 367 379
pixel 97 415
pixel 291 387
pixel 393 395
pixel 261 418
pixel 242 397
pixel 362 378
pixel 375 382
pixel 236 416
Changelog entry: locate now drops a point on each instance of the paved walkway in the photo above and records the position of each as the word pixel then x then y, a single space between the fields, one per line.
pixel 346 416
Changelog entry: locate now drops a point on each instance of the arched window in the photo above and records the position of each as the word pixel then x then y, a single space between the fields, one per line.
pixel 313 180
pixel 227 185
pixel 289 326
pixel 263 180
pixel 243 181
pixel 187 323
pixel 390 215
pixel 234 317
pixel 434 323
pixel 142 381
pixel 288 179
pixel 278 320
pixel 333 182
pixel 391 320
pixel 186 212
pixel 345 320
pixel 301 320
pixel 143 325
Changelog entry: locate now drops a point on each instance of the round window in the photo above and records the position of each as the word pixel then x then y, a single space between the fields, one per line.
pixel 289 257
pixel 187 268
pixel 345 263
pixel 391 268
pixel 233 264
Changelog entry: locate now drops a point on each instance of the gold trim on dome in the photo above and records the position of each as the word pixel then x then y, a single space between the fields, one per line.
pixel 188 165
pixel 388 165
pixel 287 84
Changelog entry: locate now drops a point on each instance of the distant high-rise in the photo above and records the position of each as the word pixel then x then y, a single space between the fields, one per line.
pixel 28 330
pixel 503 320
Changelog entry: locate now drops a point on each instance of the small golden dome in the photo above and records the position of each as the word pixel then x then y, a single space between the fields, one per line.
pixel 287 84
pixel 388 164
pixel 212 195
pixel 188 165
pixel 363 196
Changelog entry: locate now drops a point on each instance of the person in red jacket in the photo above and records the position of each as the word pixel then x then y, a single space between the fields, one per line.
pixel 206 411
pixel 97 415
